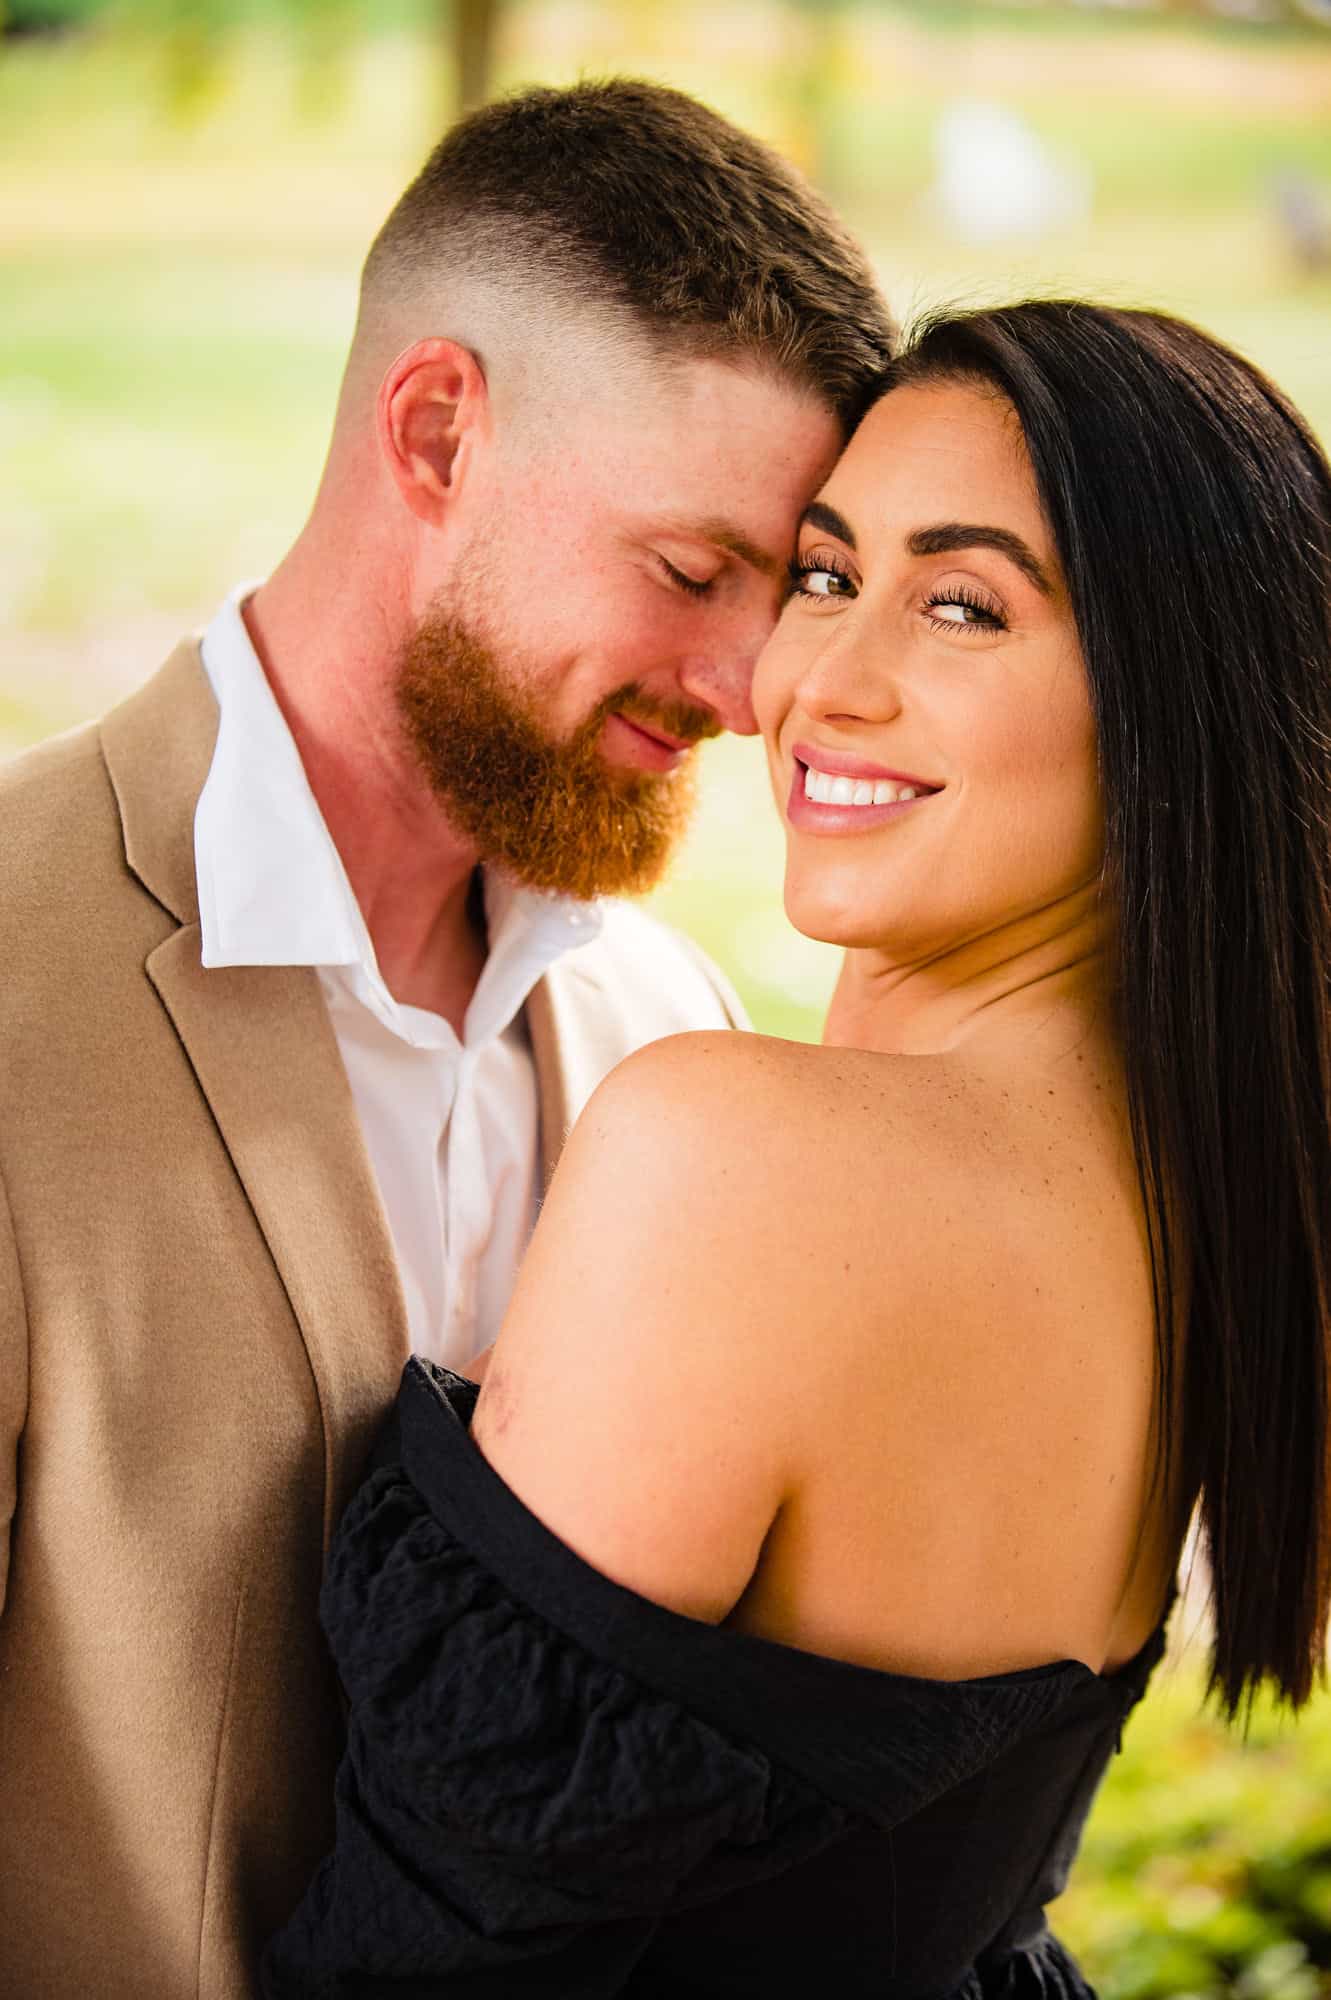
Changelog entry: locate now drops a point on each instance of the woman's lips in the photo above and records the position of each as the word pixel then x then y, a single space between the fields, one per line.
pixel 845 764
pixel 840 771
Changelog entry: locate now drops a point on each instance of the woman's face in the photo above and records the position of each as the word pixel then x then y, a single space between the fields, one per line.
pixel 930 647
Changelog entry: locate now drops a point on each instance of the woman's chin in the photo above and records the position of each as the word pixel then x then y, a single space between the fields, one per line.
pixel 828 920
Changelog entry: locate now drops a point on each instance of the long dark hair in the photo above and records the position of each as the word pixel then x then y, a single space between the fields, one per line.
pixel 1191 509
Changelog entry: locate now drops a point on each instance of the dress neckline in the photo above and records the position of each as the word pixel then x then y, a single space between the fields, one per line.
pixel 838 1720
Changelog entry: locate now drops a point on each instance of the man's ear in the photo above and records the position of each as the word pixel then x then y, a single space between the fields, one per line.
pixel 433 408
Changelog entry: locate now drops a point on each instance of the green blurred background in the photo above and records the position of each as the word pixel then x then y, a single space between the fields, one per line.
pixel 186 192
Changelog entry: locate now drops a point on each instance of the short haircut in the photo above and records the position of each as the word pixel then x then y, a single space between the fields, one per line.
pixel 636 200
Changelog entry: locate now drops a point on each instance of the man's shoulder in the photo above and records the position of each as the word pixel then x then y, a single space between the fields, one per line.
pixel 49 768
pixel 52 798
pixel 70 806
pixel 645 963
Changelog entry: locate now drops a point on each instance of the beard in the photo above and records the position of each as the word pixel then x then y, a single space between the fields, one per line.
pixel 550 812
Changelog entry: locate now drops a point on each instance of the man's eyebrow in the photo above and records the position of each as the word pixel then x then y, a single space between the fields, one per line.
pixel 724 535
pixel 950 536
pixel 819 515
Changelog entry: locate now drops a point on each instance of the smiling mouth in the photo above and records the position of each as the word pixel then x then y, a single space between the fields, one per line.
pixel 857 789
pixel 826 790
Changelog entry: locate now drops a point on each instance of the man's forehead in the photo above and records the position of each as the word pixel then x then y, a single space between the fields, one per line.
pixel 729 405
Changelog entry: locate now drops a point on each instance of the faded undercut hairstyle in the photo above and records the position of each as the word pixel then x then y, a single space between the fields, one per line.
pixel 1191 508
pixel 633 199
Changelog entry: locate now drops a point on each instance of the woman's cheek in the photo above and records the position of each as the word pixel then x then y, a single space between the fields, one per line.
pixel 774 680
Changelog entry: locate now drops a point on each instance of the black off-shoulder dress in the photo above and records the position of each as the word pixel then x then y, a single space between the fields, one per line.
pixel 554 1786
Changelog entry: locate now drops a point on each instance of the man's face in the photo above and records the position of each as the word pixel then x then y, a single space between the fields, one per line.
pixel 611 583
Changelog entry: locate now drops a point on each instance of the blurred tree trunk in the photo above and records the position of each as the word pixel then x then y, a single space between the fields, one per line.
pixel 474 24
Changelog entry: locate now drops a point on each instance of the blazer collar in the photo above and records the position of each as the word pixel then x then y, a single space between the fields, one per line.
pixel 158 747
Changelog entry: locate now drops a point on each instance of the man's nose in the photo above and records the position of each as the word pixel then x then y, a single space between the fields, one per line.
pixel 723 682
pixel 732 704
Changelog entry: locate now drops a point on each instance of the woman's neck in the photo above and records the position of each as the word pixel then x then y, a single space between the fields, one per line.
pixel 1037 986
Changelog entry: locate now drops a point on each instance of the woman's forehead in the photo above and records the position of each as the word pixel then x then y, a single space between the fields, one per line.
pixel 933 451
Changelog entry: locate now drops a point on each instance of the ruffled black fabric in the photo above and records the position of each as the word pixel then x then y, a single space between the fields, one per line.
pixel 1043 1971
pixel 552 1785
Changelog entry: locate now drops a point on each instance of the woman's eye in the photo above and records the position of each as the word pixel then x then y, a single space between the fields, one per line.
pixel 825 583
pixel 958 610
pixel 820 580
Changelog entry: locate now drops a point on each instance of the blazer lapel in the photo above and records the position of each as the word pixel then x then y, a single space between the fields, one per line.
pixel 262 1048
pixel 266 1058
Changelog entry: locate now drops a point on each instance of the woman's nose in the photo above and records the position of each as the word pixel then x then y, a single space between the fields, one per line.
pixel 848 679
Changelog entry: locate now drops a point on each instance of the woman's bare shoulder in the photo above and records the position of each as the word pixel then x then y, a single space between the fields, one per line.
pixel 832 1204
pixel 644 1396
pixel 760 1262
pixel 635 1398
pixel 739 1088
pixel 804 1189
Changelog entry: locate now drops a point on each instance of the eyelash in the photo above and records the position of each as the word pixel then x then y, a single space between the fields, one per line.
pixel 833 564
pixel 960 593
pixel 691 585
pixel 811 565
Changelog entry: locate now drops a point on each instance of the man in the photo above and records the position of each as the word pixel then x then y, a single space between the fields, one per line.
pixel 306 970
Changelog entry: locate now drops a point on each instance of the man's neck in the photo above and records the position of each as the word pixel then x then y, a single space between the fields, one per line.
pixel 410 873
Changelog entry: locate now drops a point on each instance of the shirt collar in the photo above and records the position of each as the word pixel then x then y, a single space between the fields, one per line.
pixel 272 888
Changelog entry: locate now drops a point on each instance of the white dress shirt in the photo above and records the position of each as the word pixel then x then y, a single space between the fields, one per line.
pixel 451 1126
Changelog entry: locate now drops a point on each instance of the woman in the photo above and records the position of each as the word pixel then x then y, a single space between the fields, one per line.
pixel 835 1456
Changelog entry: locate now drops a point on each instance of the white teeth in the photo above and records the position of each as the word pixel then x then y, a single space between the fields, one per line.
pixel 826 790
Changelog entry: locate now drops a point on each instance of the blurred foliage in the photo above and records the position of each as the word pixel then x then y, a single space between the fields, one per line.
pixel 1206 1868
pixel 1232 16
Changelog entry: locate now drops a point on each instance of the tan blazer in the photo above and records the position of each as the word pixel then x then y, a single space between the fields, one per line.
pixel 200 1329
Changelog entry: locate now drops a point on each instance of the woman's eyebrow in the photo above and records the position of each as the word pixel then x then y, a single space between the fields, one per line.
pixel 819 515
pixel 950 536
